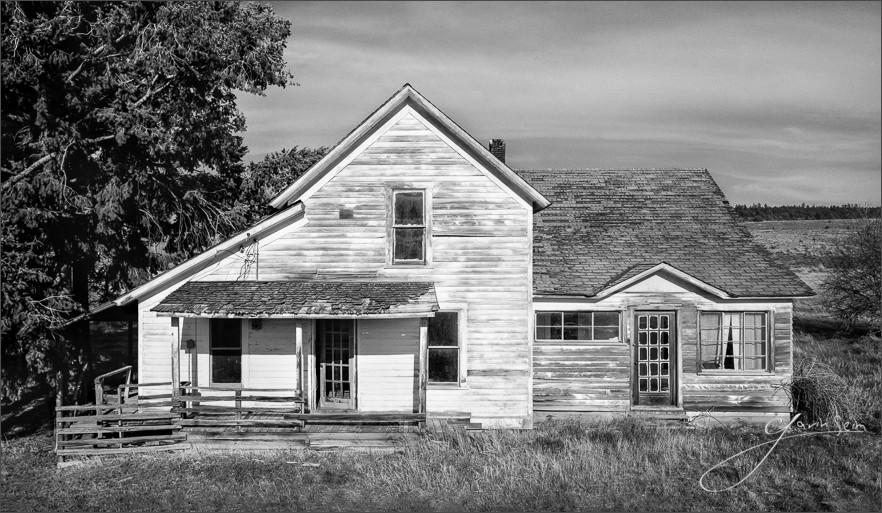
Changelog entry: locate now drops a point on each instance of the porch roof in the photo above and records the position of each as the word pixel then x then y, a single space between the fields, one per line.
pixel 300 299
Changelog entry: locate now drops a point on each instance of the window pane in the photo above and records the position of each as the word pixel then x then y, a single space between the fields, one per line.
pixel 732 326
pixel 226 366
pixel 606 334
pixel 710 320
pixel 606 319
pixel 409 243
pixel 226 333
pixel 754 364
pixel 577 318
pixel 754 320
pixel 546 333
pixel 443 365
pixel 548 319
pixel 408 208
pixel 443 329
pixel 711 356
pixel 754 327
pixel 710 336
pixel 577 333
pixel 556 333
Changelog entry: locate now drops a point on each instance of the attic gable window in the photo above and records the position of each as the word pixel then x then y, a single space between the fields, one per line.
pixel 408 227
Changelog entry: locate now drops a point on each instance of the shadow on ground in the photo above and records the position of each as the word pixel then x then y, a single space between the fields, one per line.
pixel 30 414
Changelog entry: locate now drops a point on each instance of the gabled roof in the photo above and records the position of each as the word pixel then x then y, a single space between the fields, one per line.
pixel 300 299
pixel 606 227
pixel 409 96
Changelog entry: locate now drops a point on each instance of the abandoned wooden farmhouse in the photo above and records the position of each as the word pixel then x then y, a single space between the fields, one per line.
pixel 411 274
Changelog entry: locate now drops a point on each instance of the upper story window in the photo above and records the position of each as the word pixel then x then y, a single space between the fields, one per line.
pixel 408 227
pixel 734 341
pixel 578 326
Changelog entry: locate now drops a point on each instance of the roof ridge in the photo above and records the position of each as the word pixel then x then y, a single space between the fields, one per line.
pixel 614 169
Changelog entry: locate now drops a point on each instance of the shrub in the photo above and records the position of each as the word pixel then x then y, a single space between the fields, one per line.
pixel 853 290
pixel 821 395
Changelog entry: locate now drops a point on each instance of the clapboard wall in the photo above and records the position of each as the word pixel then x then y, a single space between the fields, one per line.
pixel 479 257
pixel 593 377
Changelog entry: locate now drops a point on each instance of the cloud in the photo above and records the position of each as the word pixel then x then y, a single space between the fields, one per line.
pixel 783 92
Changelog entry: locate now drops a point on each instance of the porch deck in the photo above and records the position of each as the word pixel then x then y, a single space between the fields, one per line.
pixel 129 421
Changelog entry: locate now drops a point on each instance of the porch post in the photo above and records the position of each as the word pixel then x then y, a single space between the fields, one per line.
pixel 176 355
pixel 424 335
pixel 298 345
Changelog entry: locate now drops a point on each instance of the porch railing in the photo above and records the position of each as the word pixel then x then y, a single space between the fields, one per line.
pixel 228 407
pixel 99 382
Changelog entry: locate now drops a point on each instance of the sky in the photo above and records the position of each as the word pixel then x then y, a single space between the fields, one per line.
pixel 779 101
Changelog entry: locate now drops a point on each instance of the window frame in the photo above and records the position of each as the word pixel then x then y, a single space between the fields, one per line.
pixel 212 348
pixel 461 353
pixel 769 343
pixel 394 227
pixel 619 341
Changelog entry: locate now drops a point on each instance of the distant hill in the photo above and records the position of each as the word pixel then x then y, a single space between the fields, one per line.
pixel 757 212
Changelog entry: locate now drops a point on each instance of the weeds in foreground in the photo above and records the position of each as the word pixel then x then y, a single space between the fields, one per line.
pixel 618 465
pixel 837 375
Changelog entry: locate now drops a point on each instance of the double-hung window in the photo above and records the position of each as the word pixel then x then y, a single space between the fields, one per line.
pixel 226 351
pixel 408 227
pixel 443 346
pixel 578 326
pixel 734 341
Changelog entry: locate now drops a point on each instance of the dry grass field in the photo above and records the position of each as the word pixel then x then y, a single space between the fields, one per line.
pixel 803 246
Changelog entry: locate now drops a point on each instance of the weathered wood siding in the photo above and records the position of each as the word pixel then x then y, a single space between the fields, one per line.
pixel 269 355
pixel 387 367
pixel 597 377
pixel 581 376
pixel 479 256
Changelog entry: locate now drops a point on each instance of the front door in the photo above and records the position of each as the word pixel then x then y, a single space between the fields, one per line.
pixel 335 361
pixel 655 361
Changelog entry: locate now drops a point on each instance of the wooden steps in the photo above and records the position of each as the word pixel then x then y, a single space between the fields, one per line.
pixel 124 450
pixel 318 441
pixel 668 418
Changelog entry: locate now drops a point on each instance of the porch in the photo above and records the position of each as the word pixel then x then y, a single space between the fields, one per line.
pixel 344 347
pixel 132 418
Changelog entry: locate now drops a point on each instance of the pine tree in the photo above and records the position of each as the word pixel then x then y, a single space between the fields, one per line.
pixel 121 151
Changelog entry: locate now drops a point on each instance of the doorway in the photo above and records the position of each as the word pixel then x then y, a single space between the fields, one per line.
pixel 335 362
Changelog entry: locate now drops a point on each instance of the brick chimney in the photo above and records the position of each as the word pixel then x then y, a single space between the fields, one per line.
pixel 497 148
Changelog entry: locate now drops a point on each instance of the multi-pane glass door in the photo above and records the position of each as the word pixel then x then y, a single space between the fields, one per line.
pixel 655 363
pixel 335 360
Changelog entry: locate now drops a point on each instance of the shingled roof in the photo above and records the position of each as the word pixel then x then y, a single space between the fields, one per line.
pixel 300 299
pixel 605 226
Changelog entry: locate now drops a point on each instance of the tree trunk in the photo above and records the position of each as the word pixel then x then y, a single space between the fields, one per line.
pixel 80 333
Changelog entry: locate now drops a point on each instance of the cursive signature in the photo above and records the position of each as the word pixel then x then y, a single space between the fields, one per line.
pixel 847 427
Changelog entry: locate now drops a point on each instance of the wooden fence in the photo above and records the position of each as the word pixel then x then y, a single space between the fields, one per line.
pixel 96 429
